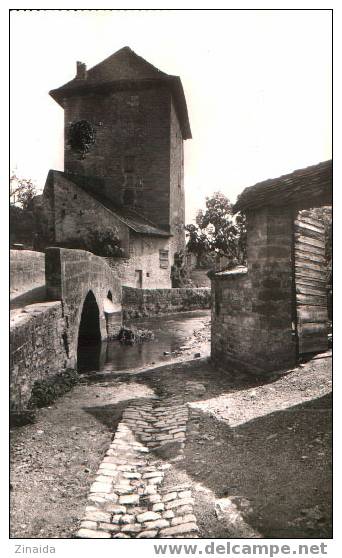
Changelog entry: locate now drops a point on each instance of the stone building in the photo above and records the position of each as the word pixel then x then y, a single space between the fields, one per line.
pixel 266 315
pixel 125 123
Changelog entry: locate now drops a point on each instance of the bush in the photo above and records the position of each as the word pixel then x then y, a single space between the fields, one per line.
pixel 105 242
pixel 101 242
pixel 133 335
pixel 22 418
pixel 45 392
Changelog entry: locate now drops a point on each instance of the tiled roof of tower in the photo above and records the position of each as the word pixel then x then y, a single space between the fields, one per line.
pixel 134 220
pixel 308 187
pixel 122 70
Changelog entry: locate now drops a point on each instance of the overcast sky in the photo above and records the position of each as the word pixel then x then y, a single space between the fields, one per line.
pixel 257 85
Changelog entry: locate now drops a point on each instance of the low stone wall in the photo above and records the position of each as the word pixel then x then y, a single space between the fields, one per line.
pixel 141 303
pixel 27 271
pixel 37 349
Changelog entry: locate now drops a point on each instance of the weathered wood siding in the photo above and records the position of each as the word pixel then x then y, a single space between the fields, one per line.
pixel 310 284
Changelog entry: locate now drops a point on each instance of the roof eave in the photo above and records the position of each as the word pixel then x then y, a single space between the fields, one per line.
pixel 322 172
pixel 83 86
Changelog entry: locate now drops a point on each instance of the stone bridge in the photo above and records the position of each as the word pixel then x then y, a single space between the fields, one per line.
pixel 80 303
pixel 66 300
pixel 90 294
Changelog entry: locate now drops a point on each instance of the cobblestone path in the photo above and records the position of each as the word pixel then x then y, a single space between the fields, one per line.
pixel 127 498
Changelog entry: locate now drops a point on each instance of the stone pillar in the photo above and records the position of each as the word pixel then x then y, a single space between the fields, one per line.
pixel 270 268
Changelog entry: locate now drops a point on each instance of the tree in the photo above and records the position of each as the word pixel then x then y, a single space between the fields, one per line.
pixel 22 192
pixel 218 230
pixel 180 276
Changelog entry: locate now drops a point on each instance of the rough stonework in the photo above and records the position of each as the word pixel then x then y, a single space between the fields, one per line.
pixel 70 276
pixel 125 123
pixel 252 311
pixel 260 313
pixel 141 303
pixel 144 256
pixel 44 336
pixel 37 350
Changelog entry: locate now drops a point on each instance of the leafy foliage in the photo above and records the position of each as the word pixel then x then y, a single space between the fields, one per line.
pixel 81 136
pixel 218 230
pixel 103 242
pixel 22 192
pixel 180 275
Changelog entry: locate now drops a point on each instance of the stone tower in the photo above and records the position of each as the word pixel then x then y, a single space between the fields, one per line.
pixel 125 122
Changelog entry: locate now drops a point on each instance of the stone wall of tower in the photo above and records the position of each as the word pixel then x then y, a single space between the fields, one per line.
pixel 177 203
pixel 132 148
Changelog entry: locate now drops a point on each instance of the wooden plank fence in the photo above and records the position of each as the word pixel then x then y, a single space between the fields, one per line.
pixel 310 284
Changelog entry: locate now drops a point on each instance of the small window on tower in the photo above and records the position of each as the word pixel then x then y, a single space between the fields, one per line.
pixel 129 163
pixel 164 259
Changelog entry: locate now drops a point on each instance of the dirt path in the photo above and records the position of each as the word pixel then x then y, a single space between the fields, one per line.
pixel 54 461
pixel 258 471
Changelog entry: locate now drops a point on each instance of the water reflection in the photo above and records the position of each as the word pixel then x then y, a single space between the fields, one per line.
pixel 171 332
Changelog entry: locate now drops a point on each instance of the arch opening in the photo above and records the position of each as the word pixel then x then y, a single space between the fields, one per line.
pixel 89 335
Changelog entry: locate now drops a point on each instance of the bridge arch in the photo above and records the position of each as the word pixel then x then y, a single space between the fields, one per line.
pixel 89 330
pixel 83 281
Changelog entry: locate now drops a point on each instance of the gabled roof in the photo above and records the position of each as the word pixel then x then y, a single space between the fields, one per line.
pixel 124 64
pixel 135 221
pixel 304 188
pixel 126 70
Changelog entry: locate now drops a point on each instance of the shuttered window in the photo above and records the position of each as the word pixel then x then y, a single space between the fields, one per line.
pixel 164 259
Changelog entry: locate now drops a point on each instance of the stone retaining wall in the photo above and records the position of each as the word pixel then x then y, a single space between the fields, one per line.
pixel 37 349
pixel 27 271
pixel 138 303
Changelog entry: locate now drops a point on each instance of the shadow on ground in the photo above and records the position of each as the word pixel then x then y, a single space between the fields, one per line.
pixel 276 468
